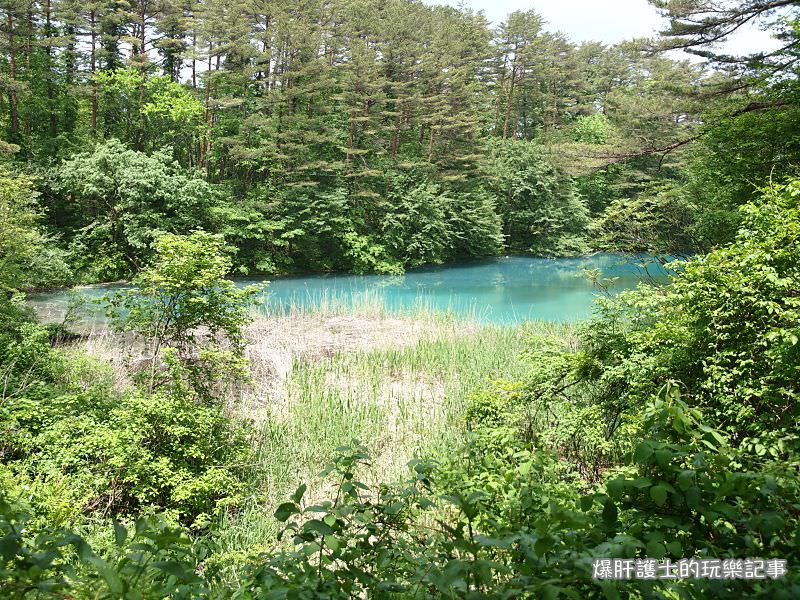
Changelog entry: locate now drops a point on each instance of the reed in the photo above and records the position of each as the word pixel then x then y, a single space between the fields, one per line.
pixel 326 373
pixel 400 391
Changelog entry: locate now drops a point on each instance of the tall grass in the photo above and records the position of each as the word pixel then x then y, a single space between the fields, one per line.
pixel 367 302
pixel 328 374
pixel 401 400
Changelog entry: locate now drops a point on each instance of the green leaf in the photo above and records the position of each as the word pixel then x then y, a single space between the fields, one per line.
pixel 331 542
pixel 298 494
pixel 615 487
pixel 693 497
pixel 286 510
pixel 685 479
pixel 542 545
pixel 643 452
pixel 609 512
pixel 317 526
pixel 610 590
pixel 175 568
pixel 640 482
pixel 674 548
pixel 663 457
pixel 659 494
pixel 120 533
pixel 655 550
pixel 109 575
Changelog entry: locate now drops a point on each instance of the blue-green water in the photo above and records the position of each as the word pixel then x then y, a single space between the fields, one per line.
pixel 502 290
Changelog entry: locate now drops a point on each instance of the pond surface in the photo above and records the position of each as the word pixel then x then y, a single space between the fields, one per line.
pixel 501 290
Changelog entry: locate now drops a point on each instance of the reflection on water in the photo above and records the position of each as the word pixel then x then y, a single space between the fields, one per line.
pixel 502 290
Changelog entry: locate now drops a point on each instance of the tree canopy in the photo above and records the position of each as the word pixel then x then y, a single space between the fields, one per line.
pixel 298 132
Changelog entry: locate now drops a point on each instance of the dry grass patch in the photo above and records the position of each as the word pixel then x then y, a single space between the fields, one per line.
pixel 276 343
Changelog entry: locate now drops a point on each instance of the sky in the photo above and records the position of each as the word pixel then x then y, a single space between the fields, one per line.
pixel 608 21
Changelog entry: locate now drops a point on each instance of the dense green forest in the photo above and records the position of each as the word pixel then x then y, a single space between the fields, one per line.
pixel 372 136
pixel 175 452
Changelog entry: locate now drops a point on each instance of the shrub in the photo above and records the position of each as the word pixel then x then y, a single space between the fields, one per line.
pixel 154 561
pixel 540 208
pixel 125 201
pixel 83 448
pixel 183 302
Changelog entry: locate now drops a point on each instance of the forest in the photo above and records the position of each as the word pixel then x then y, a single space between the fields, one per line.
pixel 193 441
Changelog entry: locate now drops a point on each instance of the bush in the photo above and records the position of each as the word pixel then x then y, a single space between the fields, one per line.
pixel 82 448
pixel 28 257
pixel 132 200
pixel 154 561
pixel 727 329
pixel 89 450
pixel 183 305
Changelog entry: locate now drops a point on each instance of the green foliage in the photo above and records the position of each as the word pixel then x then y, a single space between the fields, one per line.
pixel 416 228
pixel 368 256
pixel 694 494
pixel 419 222
pixel 19 233
pixel 174 115
pixel 155 560
pixel 735 159
pixel 122 201
pixel 184 307
pixel 81 447
pixel 309 138
pixel 540 209
pixel 668 428
pixel 741 303
pixel 725 329
pixel 662 221
pixel 639 471
pixel 28 257
pixel 604 450
pixel 149 112
pixel 591 129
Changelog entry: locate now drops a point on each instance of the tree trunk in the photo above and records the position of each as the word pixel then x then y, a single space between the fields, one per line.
pixel 142 23
pixel 211 123
pixel 69 54
pixel 50 90
pixel 12 74
pixel 93 67
pixel 516 109
pixel 524 115
pixel 545 108
pixel 202 151
pixel 194 59
pixel 508 103
pixel 500 96
pixel 396 131
pixel 555 105
pixel 28 50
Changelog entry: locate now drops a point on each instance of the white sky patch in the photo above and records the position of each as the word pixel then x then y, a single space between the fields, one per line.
pixel 608 21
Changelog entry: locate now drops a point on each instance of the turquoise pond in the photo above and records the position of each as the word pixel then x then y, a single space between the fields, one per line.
pixel 501 290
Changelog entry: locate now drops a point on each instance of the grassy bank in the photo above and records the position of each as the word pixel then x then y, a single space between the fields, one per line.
pixel 402 398
pixel 321 378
